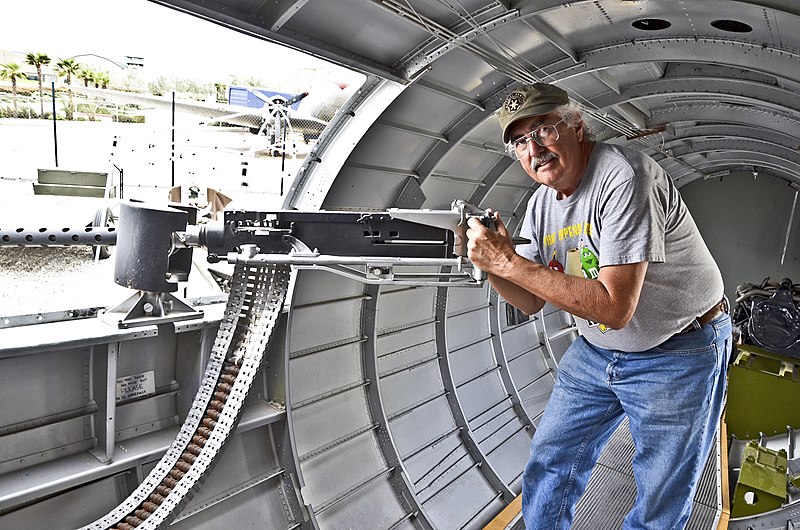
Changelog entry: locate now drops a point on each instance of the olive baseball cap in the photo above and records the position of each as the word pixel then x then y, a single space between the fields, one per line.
pixel 530 100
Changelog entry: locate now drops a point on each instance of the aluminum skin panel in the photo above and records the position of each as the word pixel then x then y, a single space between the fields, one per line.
pixel 244 493
pixel 404 389
pixel 417 430
pixel 474 495
pixel 471 361
pixel 324 371
pixel 409 356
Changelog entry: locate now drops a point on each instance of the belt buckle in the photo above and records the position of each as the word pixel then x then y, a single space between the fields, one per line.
pixel 695 325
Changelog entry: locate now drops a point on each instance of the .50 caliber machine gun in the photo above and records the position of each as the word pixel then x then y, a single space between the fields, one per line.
pixel 366 246
pixel 154 247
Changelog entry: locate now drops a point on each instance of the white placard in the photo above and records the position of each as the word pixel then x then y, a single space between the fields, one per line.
pixel 136 385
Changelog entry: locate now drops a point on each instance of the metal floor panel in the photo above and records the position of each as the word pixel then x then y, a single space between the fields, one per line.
pixel 611 492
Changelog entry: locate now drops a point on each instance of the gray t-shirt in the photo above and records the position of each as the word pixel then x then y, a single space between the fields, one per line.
pixel 627 210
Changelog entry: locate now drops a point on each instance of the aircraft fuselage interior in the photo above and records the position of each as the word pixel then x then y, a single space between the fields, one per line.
pixel 354 370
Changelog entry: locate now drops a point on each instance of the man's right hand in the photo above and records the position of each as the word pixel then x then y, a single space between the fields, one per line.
pixel 490 250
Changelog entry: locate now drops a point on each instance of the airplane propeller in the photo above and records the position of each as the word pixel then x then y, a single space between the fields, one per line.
pixel 278 109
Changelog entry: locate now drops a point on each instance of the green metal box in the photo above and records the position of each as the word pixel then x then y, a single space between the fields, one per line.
pixel 762 481
pixel 763 393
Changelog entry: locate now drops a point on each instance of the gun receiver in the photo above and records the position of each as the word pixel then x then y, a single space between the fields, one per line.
pixel 366 246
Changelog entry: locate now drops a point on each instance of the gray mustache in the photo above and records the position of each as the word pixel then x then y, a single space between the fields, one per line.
pixel 542 159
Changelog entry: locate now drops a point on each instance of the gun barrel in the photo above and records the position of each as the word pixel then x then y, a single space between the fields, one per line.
pixel 58 237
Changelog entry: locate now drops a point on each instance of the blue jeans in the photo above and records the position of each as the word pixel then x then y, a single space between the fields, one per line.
pixel 672 395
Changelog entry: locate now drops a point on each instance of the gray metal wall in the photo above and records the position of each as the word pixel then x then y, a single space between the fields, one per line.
pixel 744 221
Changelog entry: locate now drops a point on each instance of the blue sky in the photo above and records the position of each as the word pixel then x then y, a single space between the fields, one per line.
pixel 173 44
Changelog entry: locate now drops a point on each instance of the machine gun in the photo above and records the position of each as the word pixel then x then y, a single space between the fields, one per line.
pixel 154 248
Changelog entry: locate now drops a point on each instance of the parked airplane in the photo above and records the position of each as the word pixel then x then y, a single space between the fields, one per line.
pixel 276 115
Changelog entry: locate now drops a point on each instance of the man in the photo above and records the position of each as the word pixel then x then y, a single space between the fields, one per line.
pixel 612 243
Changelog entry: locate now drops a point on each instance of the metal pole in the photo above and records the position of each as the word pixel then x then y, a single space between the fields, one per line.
pixel 173 139
pixel 55 132
pixel 121 186
pixel 789 226
pixel 283 156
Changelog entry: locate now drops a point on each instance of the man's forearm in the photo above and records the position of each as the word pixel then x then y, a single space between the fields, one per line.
pixel 611 299
pixel 585 298
pixel 522 299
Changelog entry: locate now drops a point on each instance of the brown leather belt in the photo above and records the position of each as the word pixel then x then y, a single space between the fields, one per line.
pixel 718 308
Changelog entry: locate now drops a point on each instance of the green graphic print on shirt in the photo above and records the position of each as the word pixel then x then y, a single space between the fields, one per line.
pixel 589 262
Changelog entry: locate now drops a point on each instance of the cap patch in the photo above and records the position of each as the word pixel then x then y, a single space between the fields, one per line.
pixel 513 101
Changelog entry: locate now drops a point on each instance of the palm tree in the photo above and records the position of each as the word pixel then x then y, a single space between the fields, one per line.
pixel 86 75
pixel 101 80
pixel 12 72
pixel 38 60
pixel 67 68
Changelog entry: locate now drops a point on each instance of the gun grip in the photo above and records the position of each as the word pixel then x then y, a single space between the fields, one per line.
pixel 487 220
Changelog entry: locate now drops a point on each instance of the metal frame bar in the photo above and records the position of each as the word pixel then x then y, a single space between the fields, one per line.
pixel 103 376
pixel 500 357
pixel 398 480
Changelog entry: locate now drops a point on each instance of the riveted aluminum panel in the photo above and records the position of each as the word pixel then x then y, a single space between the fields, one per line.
pixel 400 307
pixel 370 152
pixel 473 493
pixel 417 431
pixel 385 33
pixel 375 503
pixel 324 371
pixel 366 188
pixel 420 104
pixel 242 494
pixel 319 286
pixel 49 419
pixel 325 421
pixel 333 473
pixel 471 361
pixel 467 329
pixel 73 507
pixel 478 394
pixel 390 362
pixel 508 450
pixel 60 373
pixel 326 324
pixel 530 367
pixel 150 412
pixel 520 338
pixel 404 389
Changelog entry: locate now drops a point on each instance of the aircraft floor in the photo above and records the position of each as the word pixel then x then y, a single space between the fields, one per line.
pixel 612 491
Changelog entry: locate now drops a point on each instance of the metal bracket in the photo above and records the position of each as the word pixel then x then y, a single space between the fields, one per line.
pixel 146 308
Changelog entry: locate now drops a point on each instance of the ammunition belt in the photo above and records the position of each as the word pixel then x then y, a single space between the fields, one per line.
pixel 254 305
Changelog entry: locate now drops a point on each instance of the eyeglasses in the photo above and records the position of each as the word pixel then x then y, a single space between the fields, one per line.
pixel 545 136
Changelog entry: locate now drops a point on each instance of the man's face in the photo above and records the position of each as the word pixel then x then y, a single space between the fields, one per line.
pixel 558 166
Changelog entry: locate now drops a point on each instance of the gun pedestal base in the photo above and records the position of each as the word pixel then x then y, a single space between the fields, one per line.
pixel 145 308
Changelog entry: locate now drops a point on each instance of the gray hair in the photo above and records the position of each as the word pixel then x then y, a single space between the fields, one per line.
pixel 572 116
